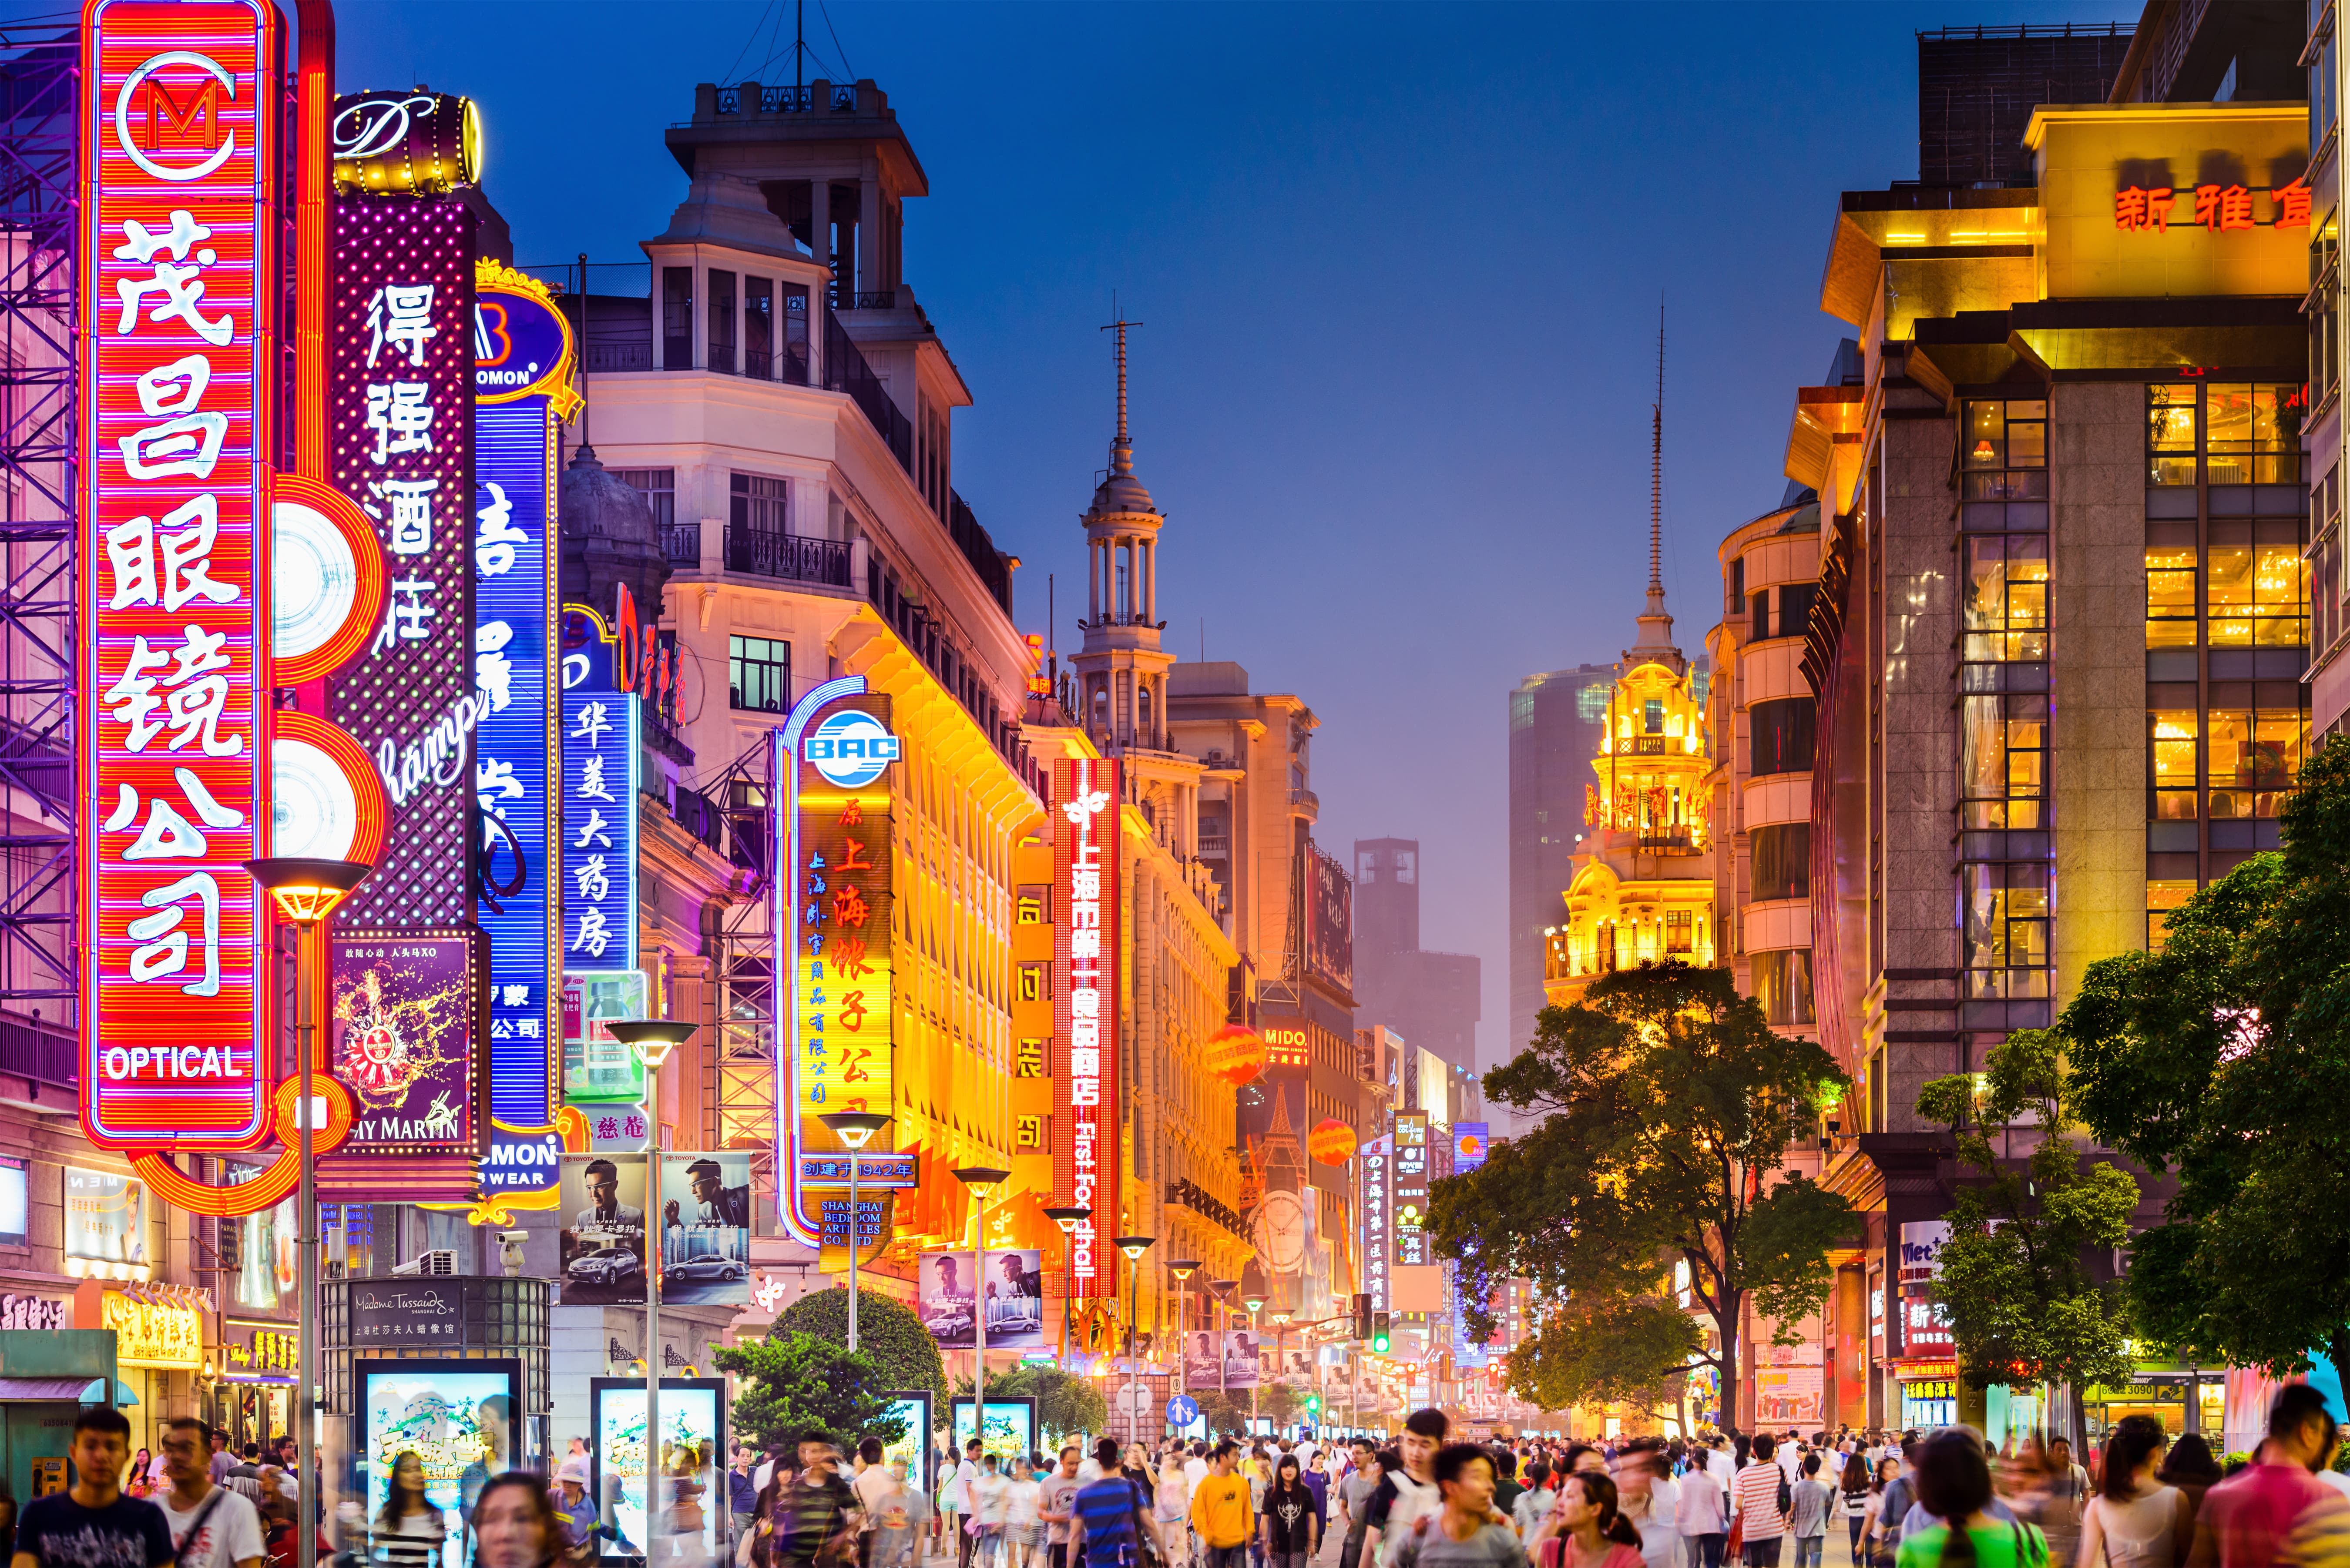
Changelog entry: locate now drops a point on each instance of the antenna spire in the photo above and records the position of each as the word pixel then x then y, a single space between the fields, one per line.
pixel 1657 473
pixel 1121 449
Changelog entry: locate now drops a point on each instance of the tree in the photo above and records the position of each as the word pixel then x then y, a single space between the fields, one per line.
pixel 2023 1306
pixel 797 1384
pixel 1225 1411
pixel 1670 1107
pixel 1636 1349
pixel 887 1331
pixel 1279 1404
pixel 1066 1404
pixel 2224 1058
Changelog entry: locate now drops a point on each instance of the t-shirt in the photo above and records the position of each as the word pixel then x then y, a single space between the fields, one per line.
pixel 1220 1512
pixel 1053 1495
pixel 807 1514
pixel 1020 1502
pixel 1756 1494
pixel 1492 1547
pixel 129 1532
pixel 1289 1517
pixel 232 1534
pixel 1807 1509
pixel 1108 1509
pixel 1354 1491
pixel 1699 1511
pixel 873 1486
pixel 988 1497
pixel 2254 1512
pixel 902 1515
pixel 1399 1501
pixel 1537 1502
pixel 1998 1545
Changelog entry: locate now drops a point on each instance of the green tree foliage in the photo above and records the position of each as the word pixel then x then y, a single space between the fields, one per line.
pixel 887 1331
pixel 1225 1411
pixel 1066 1404
pixel 1669 1107
pixel 794 1384
pixel 2023 1306
pixel 2226 1058
pixel 1633 1348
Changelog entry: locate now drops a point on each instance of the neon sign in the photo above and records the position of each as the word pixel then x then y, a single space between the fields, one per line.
pixel 601 759
pixel 2218 209
pixel 179 289
pixel 1086 793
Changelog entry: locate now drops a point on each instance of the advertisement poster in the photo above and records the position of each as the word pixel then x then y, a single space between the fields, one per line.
pixel 692 1443
pixel 706 1228
pixel 1010 1427
pixel 1014 1292
pixel 105 1217
pixel 602 1202
pixel 1787 1396
pixel 1204 1361
pixel 596 1068
pixel 1241 1366
pixel 913 1448
pixel 455 1416
pixel 402 1039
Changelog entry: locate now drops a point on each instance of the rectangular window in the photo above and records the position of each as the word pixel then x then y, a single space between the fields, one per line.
pixel 2007 599
pixel 2163 896
pixel 759 327
pixel 2003 450
pixel 2257 588
pixel 1782 861
pixel 722 321
pixel 1606 936
pixel 2006 930
pixel 677 317
pixel 2002 765
pixel 1758 624
pixel 1781 734
pixel 759 503
pixel 759 674
pixel 1795 608
pixel 1737 584
pixel 2256 754
pixel 2170 435
pixel 2252 432
pixel 2171 736
pixel 658 486
pixel 1783 985
pixel 1652 716
pixel 1681 930
pixel 2170 596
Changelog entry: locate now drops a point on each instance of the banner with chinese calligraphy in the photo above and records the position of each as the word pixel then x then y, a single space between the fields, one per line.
pixel 179 283
pixel 598 858
pixel 1379 1219
pixel 405 1026
pixel 1086 793
pixel 400 441
pixel 1409 1187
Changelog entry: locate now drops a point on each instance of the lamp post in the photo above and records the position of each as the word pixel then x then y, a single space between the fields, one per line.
pixel 305 892
pixel 1134 1247
pixel 855 1128
pixel 1068 1217
pixel 1255 1305
pixel 653 1039
pixel 982 1180
pixel 1181 1268
pixel 1219 1297
pixel 1281 1349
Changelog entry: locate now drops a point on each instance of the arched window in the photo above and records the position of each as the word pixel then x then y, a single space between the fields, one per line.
pixel 1143 712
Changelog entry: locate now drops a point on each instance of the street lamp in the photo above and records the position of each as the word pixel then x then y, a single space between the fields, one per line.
pixel 1068 1217
pixel 1133 1247
pixel 1182 1269
pixel 1255 1305
pixel 855 1128
pixel 651 1040
pixel 1220 1295
pixel 1281 1345
pixel 982 1180
pixel 305 892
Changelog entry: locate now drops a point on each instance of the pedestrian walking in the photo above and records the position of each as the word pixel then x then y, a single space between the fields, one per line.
pixel 1586 1528
pixel 1853 1492
pixel 1953 1483
pixel 1461 1531
pixel 1759 1501
pixel 2247 1519
pixel 1810 1500
pixel 2134 1521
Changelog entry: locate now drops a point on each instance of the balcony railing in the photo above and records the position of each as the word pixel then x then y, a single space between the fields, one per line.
pixel 845 370
pixel 789 556
pixel 681 543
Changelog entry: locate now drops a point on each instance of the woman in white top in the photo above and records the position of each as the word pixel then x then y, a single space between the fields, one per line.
pixel 2134 1522
pixel 1872 1514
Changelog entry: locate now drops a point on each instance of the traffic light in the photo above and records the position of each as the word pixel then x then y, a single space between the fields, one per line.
pixel 1379 1340
pixel 1313 1404
pixel 1362 1316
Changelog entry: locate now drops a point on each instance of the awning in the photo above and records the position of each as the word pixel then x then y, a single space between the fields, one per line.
pixel 85 1390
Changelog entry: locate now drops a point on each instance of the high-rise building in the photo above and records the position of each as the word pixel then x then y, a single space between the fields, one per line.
pixel 1555 721
pixel 1430 998
pixel 1977 88
pixel 1386 897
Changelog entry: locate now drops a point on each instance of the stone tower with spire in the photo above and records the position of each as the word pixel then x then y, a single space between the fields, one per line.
pixel 1121 669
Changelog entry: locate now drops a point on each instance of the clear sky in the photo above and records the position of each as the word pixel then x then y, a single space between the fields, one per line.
pixel 1398 268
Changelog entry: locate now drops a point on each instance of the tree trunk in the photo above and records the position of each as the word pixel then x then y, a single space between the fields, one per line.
pixel 1725 1325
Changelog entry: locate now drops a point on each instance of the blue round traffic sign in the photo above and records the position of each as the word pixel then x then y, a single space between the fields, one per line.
pixel 1182 1411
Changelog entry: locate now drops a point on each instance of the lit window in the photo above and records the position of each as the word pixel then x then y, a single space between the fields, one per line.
pixel 2170 596
pixel 2003 773
pixel 2258 593
pixel 2252 433
pixel 2162 897
pixel 759 673
pixel 2171 435
pixel 2007 599
pixel 2003 449
pixel 2170 745
pixel 2255 757
pixel 2006 930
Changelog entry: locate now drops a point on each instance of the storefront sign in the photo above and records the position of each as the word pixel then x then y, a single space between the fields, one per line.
pixel 1087 807
pixel 105 1221
pixel 600 744
pixel 1411 1178
pixel 34 1312
pixel 875 1172
pixel 265 1350
pixel 520 1159
pixel 153 1334
pixel 402 1313
pixel 404 1026
pixel 1379 1219
pixel 2214 208
pixel 179 373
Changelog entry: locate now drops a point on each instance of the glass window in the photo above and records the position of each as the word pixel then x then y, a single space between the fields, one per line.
pixel 2007 599
pixel 1681 930
pixel 2003 779
pixel 1783 985
pixel 2170 596
pixel 1759 624
pixel 2006 930
pixel 658 486
pixel 1781 732
pixel 1782 861
pixel 2258 593
pixel 2170 435
pixel 758 504
pixel 2255 756
pixel 759 673
pixel 2005 450
pixel 1795 608
pixel 2252 433
pixel 759 327
pixel 2163 896
pixel 677 317
pixel 2171 734
pixel 1652 716
pixel 722 321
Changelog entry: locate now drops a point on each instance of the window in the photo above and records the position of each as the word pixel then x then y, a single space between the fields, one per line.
pixel 2171 435
pixel 1607 947
pixel 2324 301
pixel 722 321
pixel 2006 929
pixel 2256 754
pixel 759 674
pixel 758 502
pixel 1795 608
pixel 1737 584
pixel 2171 736
pixel 1782 861
pixel 2252 433
pixel 1782 735
pixel 2007 599
pixel 677 317
pixel 1783 985
pixel 2257 592
pixel 2170 596
pixel 1681 930
pixel 1759 623
pixel 759 327
pixel 2003 452
pixel 1652 716
pixel 2002 765
pixel 658 486
pixel 2163 896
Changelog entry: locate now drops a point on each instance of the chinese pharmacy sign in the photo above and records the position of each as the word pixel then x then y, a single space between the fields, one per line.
pixel 2217 208
pixel 599 799
pixel 831 759
pixel 1085 795
pixel 180 115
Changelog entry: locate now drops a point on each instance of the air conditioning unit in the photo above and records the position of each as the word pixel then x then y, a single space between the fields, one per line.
pixel 440 1261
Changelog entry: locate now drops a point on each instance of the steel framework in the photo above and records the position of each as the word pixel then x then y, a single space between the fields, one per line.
pixel 39 424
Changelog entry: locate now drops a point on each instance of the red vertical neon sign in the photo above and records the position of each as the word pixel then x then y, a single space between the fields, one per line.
pixel 1085 795
pixel 179 173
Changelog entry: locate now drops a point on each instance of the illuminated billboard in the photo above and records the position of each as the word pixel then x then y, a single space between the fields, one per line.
pixel 179 294
pixel 401 1039
pixel 598 843
pixel 1086 793
pixel 454 1415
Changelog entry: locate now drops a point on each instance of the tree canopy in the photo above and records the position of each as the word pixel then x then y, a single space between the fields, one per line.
pixel 2225 1058
pixel 1066 1404
pixel 887 1331
pixel 794 1384
pixel 1670 1109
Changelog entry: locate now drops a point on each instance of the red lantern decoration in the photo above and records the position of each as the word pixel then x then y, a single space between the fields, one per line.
pixel 1331 1141
pixel 1235 1054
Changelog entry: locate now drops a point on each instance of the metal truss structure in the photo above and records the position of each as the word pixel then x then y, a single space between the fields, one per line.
pixel 745 968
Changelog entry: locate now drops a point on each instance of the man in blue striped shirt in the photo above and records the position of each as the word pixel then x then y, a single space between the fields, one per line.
pixel 1107 1514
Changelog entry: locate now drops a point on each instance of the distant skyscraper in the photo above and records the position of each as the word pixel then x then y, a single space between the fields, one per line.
pixel 1555 719
pixel 1429 999
pixel 1386 897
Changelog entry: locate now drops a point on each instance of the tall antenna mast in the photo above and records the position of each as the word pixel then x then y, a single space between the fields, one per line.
pixel 1121 449
pixel 1657 468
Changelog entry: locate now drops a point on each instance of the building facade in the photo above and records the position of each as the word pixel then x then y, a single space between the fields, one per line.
pixel 1555 721
pixel 1430 998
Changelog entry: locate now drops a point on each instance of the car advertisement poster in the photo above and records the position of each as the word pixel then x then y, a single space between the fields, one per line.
pixel 692 1443
pixel 1013 1290
pixel 458 1422
pixel 706 1228
pixel 602 1202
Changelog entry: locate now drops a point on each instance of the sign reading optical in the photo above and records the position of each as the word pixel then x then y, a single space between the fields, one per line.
pixel 851 748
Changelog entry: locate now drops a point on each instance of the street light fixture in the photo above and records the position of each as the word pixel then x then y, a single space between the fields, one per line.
pixel 855 1128
pixel 982 1180
pixel 651 1040
pixel 1068 1217
pixel 1182 1269
pixel 1254 1302
pixel 305 892
pixel 1133 1247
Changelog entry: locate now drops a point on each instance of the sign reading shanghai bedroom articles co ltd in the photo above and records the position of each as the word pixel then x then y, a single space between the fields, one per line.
pixel 1086 793
pixel 179 122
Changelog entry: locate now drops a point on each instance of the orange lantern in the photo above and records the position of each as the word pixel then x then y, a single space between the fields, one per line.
pixel 1331 1141
pixel 1235 1054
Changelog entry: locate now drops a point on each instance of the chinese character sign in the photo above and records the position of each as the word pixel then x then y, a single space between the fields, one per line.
pixel 2151 209
pixel 402 1039
pixel 598 843
pixel 1379 1218
pixel 1411 1180
pixel 1085 816
pixel 399 434
pixel 180 149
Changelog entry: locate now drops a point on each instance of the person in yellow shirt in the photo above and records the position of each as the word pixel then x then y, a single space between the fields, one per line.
pixel 1220 1514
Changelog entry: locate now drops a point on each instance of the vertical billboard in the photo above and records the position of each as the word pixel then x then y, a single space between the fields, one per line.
pixel 1009 1290
pixel 453 1417
pixel 1379 1219
pixel 179 287
pixel 598 853
pixel 1329 920
pixel 403 1020
pixel 1270 1121
pixel 602 1203
pixel 690 1452
pixel 1410 1187
pixel 832 828
pixel 705 1228
pixel 399 442
pixel 1086 796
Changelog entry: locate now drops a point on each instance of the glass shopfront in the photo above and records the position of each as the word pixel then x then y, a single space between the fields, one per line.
pixel 2183 1401
pixel 1927 1403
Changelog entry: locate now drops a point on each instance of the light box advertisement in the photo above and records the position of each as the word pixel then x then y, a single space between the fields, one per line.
pixel 602 1202
pixel 914 1446
pixel 706 1228
pixel 692 1450
pixel 454 1415
pixel 402 1030
pixel 1010 1427
pixel 598 1069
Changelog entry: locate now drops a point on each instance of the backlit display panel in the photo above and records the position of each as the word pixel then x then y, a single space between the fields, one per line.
pixel 600 801
pixel 1085 796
